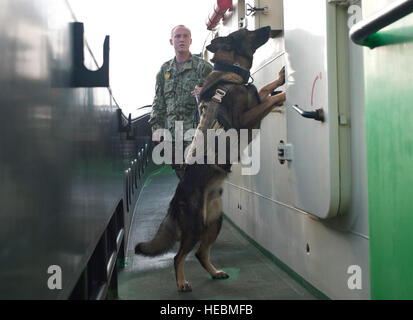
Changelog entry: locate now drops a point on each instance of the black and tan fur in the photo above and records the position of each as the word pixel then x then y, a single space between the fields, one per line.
pixel 195 212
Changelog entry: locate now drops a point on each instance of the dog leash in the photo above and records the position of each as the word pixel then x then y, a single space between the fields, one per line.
pixel 197 111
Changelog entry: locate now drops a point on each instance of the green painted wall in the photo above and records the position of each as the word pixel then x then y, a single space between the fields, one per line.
pixel 389 130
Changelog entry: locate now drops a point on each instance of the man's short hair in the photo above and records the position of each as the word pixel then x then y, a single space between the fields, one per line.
pixel 182 26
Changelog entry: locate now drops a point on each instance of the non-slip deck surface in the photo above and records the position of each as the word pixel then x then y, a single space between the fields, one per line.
pixel 252 275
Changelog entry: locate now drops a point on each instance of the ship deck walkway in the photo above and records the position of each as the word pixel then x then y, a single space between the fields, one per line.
pixel 253 276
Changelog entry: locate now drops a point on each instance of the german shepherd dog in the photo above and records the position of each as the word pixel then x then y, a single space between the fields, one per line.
pixel 195 211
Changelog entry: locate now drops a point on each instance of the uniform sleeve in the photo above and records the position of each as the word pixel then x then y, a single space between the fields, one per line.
pixel 158 115
pixel 205 70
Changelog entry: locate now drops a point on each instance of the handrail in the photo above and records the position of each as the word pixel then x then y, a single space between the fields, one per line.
pixel 362 32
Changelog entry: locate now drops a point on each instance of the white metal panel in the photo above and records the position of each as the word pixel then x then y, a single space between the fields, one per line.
pixel 310 31
pixel 272 16
pixel 252 20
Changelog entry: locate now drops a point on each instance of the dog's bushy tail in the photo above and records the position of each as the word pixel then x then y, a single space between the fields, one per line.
pixel 164 239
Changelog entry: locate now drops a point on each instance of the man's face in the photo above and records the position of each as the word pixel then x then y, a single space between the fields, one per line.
pixel 181 40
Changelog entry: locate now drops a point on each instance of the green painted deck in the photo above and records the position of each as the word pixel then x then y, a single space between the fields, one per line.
pixel 252 274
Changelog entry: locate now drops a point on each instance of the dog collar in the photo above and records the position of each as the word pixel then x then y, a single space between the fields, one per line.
pixel 245 74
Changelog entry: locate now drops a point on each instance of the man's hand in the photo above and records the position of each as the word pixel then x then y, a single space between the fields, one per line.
pixel 197 91
pixel 156 136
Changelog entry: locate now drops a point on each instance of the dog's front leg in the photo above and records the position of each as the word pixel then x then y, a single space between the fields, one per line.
pixel 254 115
pixel 266 90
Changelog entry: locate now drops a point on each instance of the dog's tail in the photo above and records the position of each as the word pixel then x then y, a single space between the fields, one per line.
pixel 164 239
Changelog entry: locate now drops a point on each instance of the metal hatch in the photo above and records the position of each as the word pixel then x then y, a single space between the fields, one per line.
pixel 320 166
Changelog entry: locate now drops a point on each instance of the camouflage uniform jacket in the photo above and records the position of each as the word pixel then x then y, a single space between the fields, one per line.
pixel 173 100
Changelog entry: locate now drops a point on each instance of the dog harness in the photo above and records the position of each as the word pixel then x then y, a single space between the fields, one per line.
pixel 209 111
pixel 215 116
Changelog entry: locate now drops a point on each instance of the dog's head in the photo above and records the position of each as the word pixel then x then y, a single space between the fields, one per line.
pixel 241 43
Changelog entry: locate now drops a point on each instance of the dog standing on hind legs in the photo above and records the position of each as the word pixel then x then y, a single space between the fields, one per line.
pixel 195 211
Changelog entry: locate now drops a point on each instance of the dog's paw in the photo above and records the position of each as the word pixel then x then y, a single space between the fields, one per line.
pixel 220 275
pixel 185 286
pixel 281 76
pixel 278 100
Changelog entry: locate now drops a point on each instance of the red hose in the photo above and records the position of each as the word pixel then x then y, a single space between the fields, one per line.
pixel 219 11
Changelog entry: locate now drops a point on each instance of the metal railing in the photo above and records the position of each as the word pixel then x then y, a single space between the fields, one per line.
pixel 363 32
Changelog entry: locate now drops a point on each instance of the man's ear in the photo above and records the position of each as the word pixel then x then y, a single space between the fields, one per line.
pixel 170 41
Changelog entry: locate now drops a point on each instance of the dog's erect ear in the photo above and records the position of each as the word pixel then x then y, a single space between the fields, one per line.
pixel 223 43
pixel 261 36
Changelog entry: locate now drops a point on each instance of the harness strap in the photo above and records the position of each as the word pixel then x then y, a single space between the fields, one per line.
pixel 219 94
pixel 216 99
pixel 221 115
pixel 209 118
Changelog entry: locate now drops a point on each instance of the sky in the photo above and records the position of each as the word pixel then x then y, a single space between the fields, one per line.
pixel 139 40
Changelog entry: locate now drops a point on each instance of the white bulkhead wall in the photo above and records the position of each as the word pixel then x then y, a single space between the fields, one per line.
pixel 268 13
pixel 269 206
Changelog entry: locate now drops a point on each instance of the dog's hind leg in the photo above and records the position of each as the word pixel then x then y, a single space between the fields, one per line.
pixel 187 244
pixel 208 237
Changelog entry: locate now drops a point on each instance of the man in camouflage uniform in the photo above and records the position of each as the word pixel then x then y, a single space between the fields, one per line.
pixel 177 83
